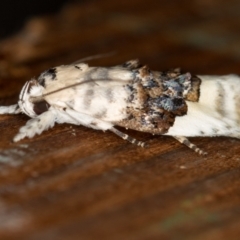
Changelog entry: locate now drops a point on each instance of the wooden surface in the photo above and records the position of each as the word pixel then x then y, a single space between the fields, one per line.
pixel 72 182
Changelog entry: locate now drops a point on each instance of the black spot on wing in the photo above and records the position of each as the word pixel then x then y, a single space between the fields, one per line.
pixel 50 74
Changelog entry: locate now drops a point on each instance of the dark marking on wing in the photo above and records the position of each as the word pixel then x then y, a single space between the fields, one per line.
pixel 156 98
pixel 88 98
pixel 50 74
pixel 109 95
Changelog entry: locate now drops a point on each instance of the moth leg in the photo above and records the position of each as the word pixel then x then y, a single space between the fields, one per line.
pixel 12 109
pixel 186 142
pixel 127 137
pixel 36 125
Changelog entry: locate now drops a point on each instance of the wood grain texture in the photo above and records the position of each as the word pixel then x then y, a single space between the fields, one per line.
pixel 72 182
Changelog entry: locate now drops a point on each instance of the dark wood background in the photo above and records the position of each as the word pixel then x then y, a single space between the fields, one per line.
pixel 72 182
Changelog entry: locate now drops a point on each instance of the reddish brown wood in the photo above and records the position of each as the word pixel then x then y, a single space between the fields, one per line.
pixel 72 182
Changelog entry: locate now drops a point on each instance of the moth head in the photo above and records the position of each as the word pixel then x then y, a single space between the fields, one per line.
pixel 31 90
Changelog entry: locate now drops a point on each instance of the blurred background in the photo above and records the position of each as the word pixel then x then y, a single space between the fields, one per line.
pixel 14 14
pixel 192 35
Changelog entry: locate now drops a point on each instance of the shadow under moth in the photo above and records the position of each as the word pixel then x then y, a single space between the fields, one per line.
pixel 131 96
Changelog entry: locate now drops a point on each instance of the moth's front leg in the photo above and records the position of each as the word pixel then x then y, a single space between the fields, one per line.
pixel 36 125
pixel 12 109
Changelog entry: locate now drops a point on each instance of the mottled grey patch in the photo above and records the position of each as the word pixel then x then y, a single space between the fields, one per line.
pixel 202 132
pixel 220 99
pixel 87 98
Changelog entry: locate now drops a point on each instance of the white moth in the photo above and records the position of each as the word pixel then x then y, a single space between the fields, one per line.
pixel 131 96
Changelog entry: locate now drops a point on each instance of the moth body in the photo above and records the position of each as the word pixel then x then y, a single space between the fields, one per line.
pixel 132 96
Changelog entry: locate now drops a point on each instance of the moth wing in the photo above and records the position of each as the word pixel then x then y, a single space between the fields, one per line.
pixel 127 95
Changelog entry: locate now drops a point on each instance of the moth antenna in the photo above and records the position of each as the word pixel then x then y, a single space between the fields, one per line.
pixel 186 142
pixel 127 137
pixel 97 56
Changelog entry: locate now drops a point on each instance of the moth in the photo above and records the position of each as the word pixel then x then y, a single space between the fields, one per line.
pixel 131 96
